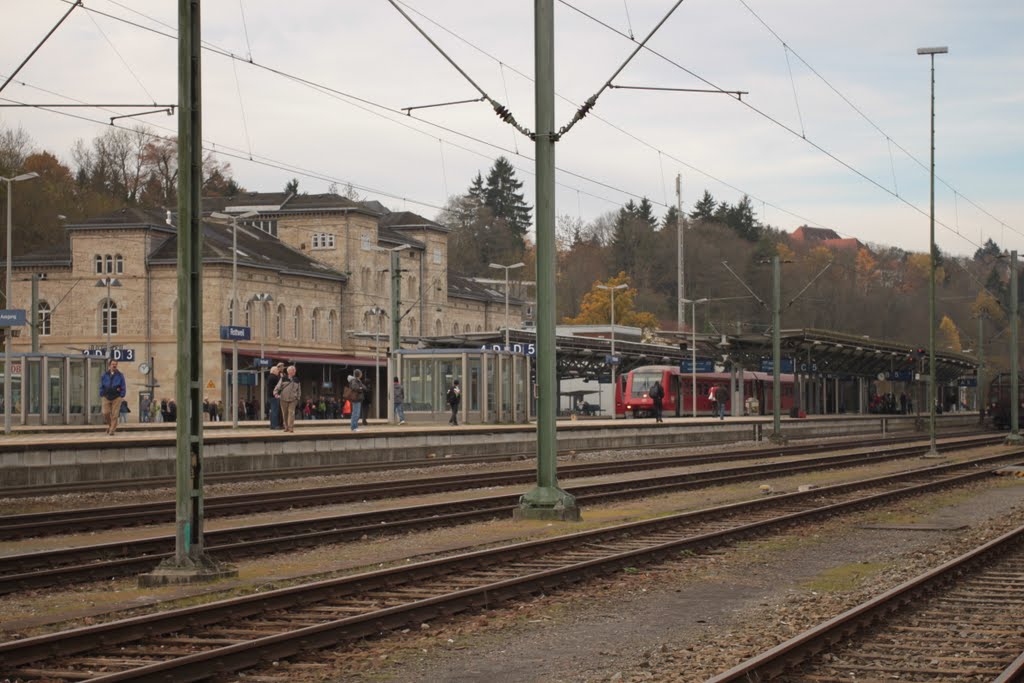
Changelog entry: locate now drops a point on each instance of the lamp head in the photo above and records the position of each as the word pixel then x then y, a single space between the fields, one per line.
pixel 932 50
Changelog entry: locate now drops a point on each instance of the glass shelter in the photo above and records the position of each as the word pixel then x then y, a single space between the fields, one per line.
pixel 496 385
pixel 53 388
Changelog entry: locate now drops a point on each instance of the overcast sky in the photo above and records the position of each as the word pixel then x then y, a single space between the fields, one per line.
pixel 768 146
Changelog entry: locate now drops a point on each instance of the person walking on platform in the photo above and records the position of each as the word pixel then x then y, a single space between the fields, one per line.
pixel 354 395
pixel 112 390
pixel 398 392
pixel 721 396
pixel 454 398
pixel 657 394
pixel 289 391
pixel 274 401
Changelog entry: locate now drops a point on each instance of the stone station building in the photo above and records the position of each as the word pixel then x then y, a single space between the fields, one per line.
pixel 313 287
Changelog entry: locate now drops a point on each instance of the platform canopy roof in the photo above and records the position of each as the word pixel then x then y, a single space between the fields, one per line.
pixel 828 353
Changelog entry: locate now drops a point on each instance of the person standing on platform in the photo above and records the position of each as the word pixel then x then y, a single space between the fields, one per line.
pixel 274 407
pixel 657 394
pixel 398 392
pixel 112 390
pixel 454 398
pixel 289 391
pixel 354 396
pixel 364 412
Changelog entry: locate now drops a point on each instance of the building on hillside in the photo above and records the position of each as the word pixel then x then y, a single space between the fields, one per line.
pixel 823 237
pixel 312 286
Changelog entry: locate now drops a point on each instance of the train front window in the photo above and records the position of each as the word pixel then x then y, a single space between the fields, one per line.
pixel 643 381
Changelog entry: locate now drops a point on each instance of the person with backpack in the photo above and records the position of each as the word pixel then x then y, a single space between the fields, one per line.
pixel 354 395
pixel 454 398
pixel 657 394
pixel 721 396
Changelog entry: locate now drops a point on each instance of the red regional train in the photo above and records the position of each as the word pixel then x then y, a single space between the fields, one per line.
pixel 631 395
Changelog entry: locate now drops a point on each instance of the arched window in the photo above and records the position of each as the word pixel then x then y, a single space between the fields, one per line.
pixel 382 279
pixel 437 327
pixel 412 286
pixel 108 317
pixel 279 324
pixel 412 325
pixel 365 279
pixel 331 322
pixel 297 323
pixel 455 328
pixel 108 260
pixel 313 320
pixel 467 329
pixel 98 260
pixel 44 318
pixel 231 312
pixel 479 328
pixel 118 264
pixel 248 314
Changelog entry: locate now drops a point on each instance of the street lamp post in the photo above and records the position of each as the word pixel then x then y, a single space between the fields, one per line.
pixel 7 293
pixel 506 269
pixel 931 52
pixel 264 298
pixel 234 306
pixel 693 353
pixel 611 291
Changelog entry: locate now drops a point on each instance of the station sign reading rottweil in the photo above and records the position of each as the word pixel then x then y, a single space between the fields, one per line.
pixel 234 333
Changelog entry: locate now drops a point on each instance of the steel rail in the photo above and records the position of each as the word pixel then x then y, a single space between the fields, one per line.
pixel 57 522
pixel 350 468
pixel 43 569
pixel 798 649
pixel 795 508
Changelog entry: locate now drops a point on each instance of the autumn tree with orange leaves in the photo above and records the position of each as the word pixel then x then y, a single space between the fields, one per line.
pixel 596 307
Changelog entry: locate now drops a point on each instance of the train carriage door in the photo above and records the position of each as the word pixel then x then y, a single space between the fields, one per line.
pixel 674 393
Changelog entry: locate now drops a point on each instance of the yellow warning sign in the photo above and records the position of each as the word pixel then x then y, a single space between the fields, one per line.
pixel 211 385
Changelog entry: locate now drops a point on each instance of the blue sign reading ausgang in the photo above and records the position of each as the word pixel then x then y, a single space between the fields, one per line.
pixel 234 333
pixel 12 317
pixel 703 365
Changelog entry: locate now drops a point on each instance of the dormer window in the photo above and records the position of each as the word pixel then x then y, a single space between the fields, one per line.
pixel 437 255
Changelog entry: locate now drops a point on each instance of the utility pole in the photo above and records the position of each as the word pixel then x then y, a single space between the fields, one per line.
pixel 1014 437
pixel 680 258
pixel 190 562
pixel 776 435
pixel 33 315
pixel 546 500
pixel 980 391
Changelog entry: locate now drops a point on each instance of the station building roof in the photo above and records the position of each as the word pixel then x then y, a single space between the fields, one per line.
pixel 833 354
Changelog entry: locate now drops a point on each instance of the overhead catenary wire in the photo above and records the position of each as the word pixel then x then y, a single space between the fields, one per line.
pixel 370 107
pixel 924 166
pixel 124 61
pixel 618 128
pixel 76 3
pixel 702 172
pixel 792 131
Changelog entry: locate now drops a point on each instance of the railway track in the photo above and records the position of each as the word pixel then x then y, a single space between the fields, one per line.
pixel 109 560
pixel 340 469
pixel 957 622
pixel 60 522
pixel 197 642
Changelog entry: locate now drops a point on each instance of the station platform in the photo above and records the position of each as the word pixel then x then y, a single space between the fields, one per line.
pixel 36 456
